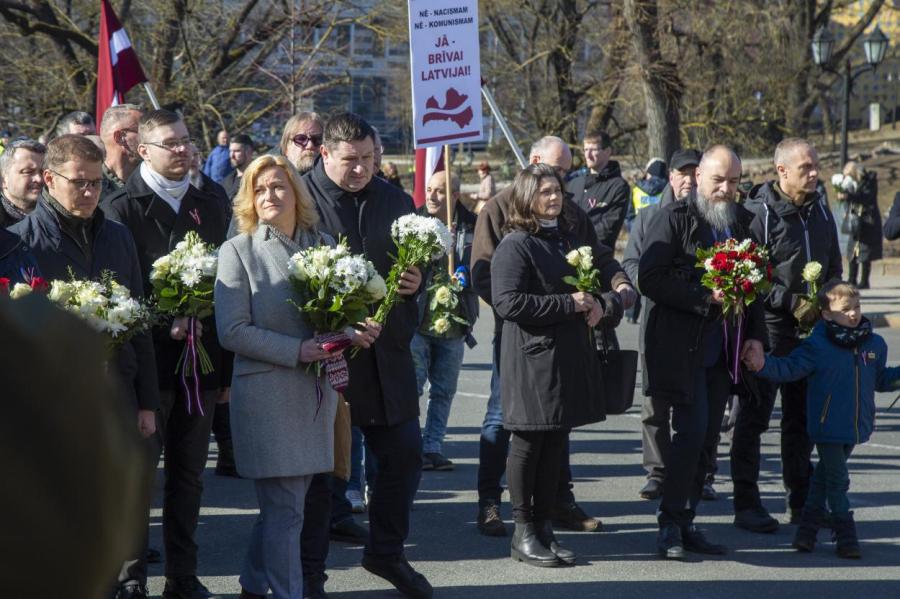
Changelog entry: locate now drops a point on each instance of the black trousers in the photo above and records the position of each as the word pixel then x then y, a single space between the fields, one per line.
pixel 186 443
pixel 656 436
pixel 796 448
pixel 695 429
pixel 533 472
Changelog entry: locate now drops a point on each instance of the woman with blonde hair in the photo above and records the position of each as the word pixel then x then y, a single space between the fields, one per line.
pixel 280 437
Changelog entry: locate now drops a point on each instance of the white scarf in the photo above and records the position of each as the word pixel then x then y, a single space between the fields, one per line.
pixel 170 191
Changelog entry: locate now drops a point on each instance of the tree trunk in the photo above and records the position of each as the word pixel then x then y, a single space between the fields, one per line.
pixel 661 85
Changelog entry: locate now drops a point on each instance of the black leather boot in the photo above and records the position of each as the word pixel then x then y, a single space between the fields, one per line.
pixel 845 535
pixel 548 539
pixel 865 268
pixel 527 547
pixel 811 519
pixel 852 270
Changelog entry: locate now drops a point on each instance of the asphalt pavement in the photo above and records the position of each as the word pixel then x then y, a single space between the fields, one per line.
pixel 620 561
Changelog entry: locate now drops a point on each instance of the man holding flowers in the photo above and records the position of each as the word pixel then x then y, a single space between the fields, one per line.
pixel 159 207
pixel 686 339
pixel 356 206
pixel 793 222
pixel 69 236
pixel 447 314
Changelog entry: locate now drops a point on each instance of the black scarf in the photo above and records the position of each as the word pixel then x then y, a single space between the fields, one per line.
pixel 13 211
pixel 81 230
pixel 846 337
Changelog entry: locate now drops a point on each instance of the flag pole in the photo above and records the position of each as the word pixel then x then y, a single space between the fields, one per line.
pixel 448 187
pixel 503 126
pixel 151 95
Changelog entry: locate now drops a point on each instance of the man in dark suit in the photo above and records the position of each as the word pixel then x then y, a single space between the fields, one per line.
pixel 159 206
pixel 240 154
pixel 355 205
pixel 66 233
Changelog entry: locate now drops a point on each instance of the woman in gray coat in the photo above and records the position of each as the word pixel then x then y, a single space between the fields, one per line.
pixel 282 436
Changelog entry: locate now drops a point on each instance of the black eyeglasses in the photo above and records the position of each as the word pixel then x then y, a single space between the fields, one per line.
pixel 301 140
pixel 172 145
pixel 81 184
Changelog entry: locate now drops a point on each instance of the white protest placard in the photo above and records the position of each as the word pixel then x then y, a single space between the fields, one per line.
pixel 445 65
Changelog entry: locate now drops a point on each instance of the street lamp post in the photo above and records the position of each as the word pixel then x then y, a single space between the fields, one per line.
pixel 874 45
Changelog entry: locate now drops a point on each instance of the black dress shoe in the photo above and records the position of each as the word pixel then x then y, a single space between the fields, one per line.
pixel 314 587
pixel 153 556
pixel 668 542
pixel 755 520
pixel 187 587
pixel 349 531
pixel 651 490
pixel 132 591
pixel 527 547
pixel 571 517
pixel 693 540
pixel 709 492
pixel 397 571
pixel 548 540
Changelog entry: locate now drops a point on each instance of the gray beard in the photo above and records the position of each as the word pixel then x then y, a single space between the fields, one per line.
pixel 305 164
pixel 719 215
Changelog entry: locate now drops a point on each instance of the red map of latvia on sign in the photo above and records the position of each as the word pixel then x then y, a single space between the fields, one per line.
pixel 450 111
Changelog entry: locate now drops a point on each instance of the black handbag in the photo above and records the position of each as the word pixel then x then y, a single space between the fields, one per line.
pixel 850 224
pixel 618 375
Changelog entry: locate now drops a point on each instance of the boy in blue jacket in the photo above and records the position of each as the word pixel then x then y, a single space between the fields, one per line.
pixel 845 363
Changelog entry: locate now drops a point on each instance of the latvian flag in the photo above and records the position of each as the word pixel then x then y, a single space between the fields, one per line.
pixel 118 69
pixel 428 161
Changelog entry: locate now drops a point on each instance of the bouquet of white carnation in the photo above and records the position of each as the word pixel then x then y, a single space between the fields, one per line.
pixel 105 305
pixel 183 282
pixel 419 240
pixel 335 289
pixel 842 183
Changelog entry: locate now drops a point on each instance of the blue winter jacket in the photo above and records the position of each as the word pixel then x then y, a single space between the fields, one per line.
pixel 218 166
pixel 840 396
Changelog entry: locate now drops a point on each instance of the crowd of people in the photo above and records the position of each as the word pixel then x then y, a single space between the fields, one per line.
pixel 116 200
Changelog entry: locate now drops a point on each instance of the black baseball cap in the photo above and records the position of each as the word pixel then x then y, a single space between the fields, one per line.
pixel 683 158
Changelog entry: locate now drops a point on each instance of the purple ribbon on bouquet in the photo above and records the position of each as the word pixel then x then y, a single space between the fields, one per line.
pixel 191 355
pixel 335 368
pixel 734 361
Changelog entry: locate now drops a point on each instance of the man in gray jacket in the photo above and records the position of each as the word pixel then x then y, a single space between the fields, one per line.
pixel 655 433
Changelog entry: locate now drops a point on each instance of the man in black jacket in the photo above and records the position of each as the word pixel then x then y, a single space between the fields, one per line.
pixel 687 355
pixel 601 192
pixel 794 222
pixel 20 179
pixel 119 133
pixel 384 402
pixel 159 206
pixel 240 154
pixel 66 233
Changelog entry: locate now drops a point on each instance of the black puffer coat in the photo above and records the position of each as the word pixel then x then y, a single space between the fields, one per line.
pixel 549 370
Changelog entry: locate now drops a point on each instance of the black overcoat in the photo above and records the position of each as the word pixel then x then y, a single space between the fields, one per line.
pixel 382 389
pixel 548 364
pixel 156 230
pixel 113 250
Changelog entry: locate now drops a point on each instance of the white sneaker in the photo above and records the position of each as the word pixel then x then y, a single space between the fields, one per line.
pixel 356 501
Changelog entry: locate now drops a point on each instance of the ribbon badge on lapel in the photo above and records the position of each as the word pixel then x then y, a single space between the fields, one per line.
pixel 195 214
pixel 592 202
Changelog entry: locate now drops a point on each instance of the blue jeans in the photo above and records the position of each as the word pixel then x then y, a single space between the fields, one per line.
pixel 438 361
pixel 831 480
pixel 494 443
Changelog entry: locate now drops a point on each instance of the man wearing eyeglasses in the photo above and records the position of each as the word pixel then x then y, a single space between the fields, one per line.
pixel 20 180
pixel 302 139
pixel 67 234
pixel 159 206
pixel 119 133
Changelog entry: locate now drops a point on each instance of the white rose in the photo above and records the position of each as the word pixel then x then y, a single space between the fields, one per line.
pixel 812 271
pixel 19 290
pixel 60 292
pixel 441 325
pixel 442 296
pixel 573 258
pixel 587 263
pixel 708 264
pixel 376 287
pixel 585 250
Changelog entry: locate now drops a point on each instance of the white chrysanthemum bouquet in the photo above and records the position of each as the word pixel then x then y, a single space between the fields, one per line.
pixel 335 289
pixel 183 282
pixel 105 305
pixel 419 240
pixel 444 305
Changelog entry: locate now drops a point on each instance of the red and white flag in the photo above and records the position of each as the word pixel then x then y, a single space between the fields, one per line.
pixel 118 69
pixel 428 161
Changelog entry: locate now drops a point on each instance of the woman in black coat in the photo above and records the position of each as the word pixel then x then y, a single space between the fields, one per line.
pixel 547 356
pixel 864 243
